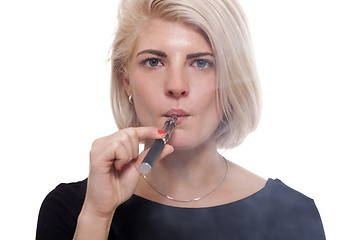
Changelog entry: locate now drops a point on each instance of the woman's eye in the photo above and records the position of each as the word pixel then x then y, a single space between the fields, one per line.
pixel 202 63
pixel 151 62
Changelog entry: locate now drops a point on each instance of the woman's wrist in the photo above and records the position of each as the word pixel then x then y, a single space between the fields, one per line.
pixel 92 226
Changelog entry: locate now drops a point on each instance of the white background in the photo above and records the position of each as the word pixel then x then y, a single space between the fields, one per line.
pixel 54 101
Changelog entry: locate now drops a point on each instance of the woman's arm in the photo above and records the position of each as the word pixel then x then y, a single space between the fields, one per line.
pixel 92 227
pixel 113 176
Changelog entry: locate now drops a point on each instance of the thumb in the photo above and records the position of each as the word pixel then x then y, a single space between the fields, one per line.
pixel 168 149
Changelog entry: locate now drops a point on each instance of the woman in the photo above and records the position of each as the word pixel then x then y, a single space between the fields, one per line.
pixel 192 58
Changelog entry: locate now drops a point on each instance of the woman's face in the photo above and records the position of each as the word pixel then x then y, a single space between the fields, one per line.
pixel 172 70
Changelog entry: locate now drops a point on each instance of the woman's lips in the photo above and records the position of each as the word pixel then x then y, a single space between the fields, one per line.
pixel 182 115
pixel 181 118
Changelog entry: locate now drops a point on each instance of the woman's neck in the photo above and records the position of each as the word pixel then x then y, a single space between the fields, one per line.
pixel 188 173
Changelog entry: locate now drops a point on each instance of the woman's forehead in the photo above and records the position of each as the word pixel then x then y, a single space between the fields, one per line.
pixel 171 36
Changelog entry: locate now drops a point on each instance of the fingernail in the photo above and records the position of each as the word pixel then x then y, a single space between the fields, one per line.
pixel 162 132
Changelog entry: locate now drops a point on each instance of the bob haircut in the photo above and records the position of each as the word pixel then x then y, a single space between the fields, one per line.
pixel 224 26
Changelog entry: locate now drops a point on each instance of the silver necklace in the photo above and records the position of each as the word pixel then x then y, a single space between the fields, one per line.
pixel 194 199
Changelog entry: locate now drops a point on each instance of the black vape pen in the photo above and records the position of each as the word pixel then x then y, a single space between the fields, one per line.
pixel 158 146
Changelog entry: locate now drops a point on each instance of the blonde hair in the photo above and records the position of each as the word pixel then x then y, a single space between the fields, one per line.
pixel 224 25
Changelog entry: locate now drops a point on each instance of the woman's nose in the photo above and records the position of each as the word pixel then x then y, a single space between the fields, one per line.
pixel 177 84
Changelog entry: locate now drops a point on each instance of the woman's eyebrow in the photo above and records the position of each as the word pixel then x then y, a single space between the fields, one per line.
pixel 200 54
pixel 163 54
pixel 151 51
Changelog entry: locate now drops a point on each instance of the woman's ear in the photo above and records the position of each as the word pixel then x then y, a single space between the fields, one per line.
pixel 126 84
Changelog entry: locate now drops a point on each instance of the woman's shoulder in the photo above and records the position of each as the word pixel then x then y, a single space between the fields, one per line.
pixel 293 214
pixel 276 189
pixel 279 197
pixel 68 197
pixel 67 191
pixel 60 209
pixel 284 211
pixel 248 185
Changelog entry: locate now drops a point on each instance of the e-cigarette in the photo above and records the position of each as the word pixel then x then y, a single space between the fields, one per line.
pixel 158 146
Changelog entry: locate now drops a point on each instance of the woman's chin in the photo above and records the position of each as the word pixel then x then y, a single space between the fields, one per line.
pixel 186 143
pixel 181 143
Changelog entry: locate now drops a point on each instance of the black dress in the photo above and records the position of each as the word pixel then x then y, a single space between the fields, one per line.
pixel 275 212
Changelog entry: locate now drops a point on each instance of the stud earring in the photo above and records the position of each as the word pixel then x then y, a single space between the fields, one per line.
pixel 131 99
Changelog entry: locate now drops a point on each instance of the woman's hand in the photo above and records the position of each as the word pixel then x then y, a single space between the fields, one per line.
pixel 113 176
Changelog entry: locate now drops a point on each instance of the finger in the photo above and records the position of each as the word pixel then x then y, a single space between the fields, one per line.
pixel 123 149
pixel 168 149
pixel 126 145
pixel 118 164
pixel 144 133
pixel 129 140
pixel 134 142
pixel 131 143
